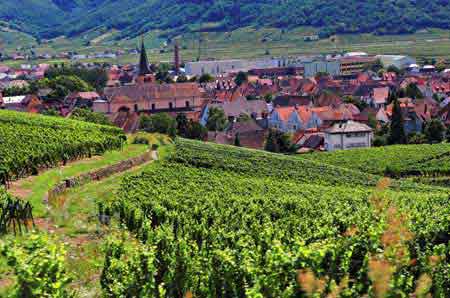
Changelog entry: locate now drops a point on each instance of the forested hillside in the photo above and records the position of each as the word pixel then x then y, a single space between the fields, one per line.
pixel 49 18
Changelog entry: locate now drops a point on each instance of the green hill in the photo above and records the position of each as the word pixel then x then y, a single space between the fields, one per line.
pixel 50 18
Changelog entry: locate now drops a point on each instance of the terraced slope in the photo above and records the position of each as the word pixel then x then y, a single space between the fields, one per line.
pixel 29 142
pixel 221 221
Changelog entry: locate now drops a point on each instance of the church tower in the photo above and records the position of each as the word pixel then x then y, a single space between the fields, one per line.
pixel 143 61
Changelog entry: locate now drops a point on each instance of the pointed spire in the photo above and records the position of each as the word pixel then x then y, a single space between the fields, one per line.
pixel 143 61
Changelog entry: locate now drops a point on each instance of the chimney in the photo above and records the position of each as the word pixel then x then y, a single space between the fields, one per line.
pixel 177 58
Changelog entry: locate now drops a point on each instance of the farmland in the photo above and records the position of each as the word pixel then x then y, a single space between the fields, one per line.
pixel 245 43
pixel 427 159
pixel 210 220
pixel 30 142
pixel 217 221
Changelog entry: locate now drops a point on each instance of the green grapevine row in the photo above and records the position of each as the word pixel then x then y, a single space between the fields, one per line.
pixel 29 142
pixel 213 227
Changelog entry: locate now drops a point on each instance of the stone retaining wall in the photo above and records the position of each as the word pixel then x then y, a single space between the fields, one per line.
pixel 99 174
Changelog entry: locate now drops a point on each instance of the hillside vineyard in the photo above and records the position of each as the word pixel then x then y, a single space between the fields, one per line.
pixel 212 226
pixel 29 142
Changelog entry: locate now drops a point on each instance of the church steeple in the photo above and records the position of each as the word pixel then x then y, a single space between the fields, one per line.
pixel 143 61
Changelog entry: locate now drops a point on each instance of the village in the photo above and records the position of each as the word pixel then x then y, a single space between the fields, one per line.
pixel 287 104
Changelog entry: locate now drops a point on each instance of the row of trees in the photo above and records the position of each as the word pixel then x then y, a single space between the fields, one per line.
pixel 166 124
pixel 433 130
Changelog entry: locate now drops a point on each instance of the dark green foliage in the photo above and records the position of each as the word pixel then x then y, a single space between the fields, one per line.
pixel 379 141
pixel 217 120
pixel 161 122
pixel 278 142
pixel 182 79
pixel 447 134
pixel 51 112
pixel 62 85
pixel 413 91
pixel 15 215
pixel 46 19
pixel 417 138
pixel 90 116
pixel 241 78
pixel 95 77
pixel 206 78
pixel 237 140
pixel 434 131
pixel 16 91
pixel 190 129
pixel 397 130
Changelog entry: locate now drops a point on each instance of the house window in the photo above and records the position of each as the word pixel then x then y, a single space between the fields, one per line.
pixel 153 106
pixel 187 104
pixel 170 105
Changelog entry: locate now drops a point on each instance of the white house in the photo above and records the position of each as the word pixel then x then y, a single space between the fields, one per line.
pixel 348 135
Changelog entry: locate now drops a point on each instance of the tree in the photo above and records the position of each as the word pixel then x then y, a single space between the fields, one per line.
pixel 447 134
pixel 196 131
pixel 51 112
pixel 161 122
pixel 268 98
pixel 163 77
pixel 96 77
pixel 376 66
pixel 413 91
pixel 237 140
pixel 417 138
pixel 278 142
pixel 441 65
pixel 87 115
pixel 182 79
pixel 241 78
pixel 205 78
pixel 394 69
pixel 217 120
pixel 434 131
pixel 397 130
pixel 372 121
pixel 182 123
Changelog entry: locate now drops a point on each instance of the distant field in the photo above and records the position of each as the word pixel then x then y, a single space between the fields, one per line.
pixel 243 43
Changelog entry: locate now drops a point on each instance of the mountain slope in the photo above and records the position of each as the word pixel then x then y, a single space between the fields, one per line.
pixel 49 18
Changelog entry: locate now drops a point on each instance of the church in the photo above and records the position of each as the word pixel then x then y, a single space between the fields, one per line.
pixel 146 96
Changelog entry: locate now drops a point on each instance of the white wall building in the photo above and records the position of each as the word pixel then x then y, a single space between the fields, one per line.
pixel 224 67
pixel 348 135
pixel 398 61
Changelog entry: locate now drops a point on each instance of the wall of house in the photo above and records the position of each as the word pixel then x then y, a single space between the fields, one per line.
pixel 223 67
pixel 343 141
pixel 156 104
pixel 277 123
pixel 332 67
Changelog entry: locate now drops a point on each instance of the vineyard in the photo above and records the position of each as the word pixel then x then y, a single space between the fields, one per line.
pixel 394 160
pixel 219 221
pixel 30 142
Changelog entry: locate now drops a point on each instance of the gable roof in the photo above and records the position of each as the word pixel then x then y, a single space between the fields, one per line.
pixel 349 127
pixel 152 91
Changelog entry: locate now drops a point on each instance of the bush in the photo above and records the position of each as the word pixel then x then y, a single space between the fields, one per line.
pixel 161 122
pixel 141 140
pixel 379 141
pixel 87 115
pixel 39 266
